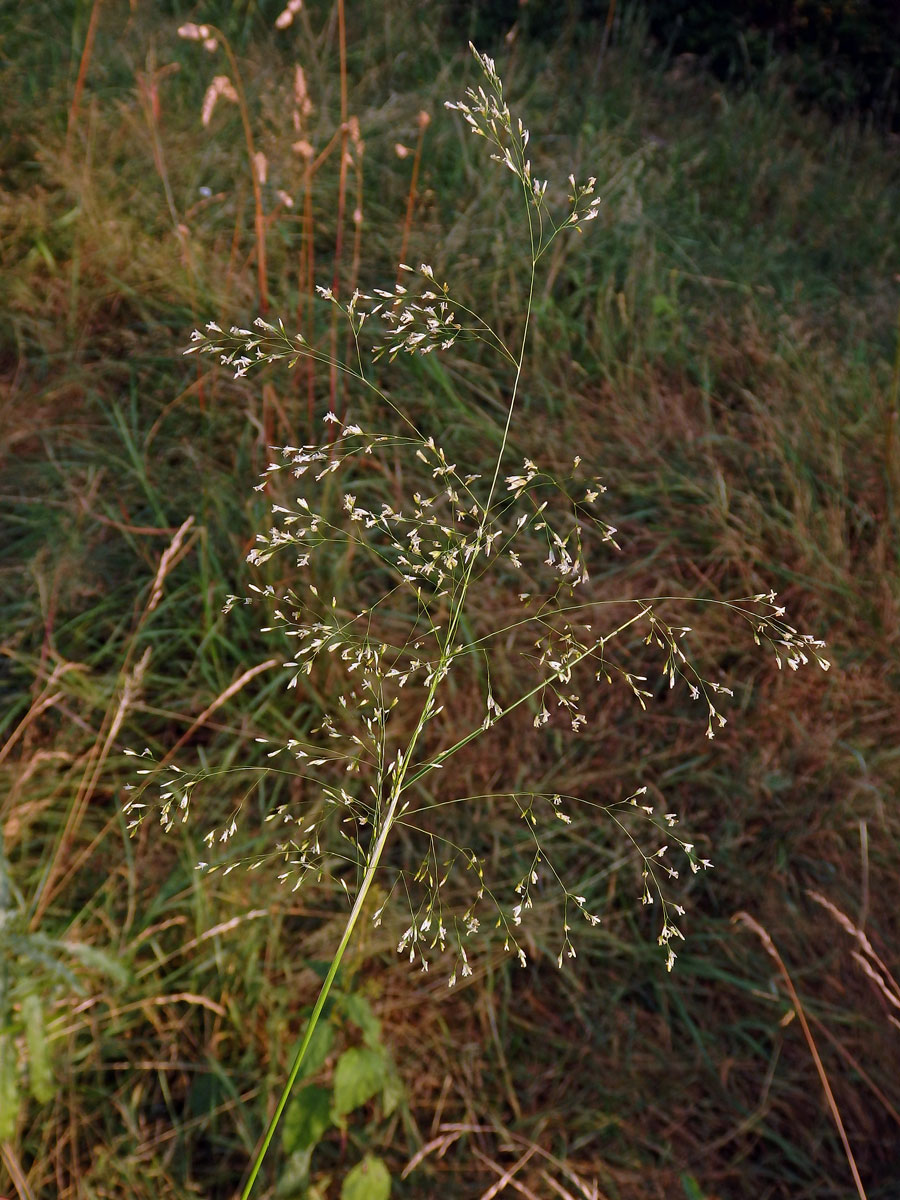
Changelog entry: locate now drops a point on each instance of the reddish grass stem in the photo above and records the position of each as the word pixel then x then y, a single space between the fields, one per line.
pixel 341 204
pixel 86 53
pixel 424 122
pixel 259 211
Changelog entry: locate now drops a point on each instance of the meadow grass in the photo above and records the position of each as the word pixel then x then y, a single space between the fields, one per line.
pixel 721 341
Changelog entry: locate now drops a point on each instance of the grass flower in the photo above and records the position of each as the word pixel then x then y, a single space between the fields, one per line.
pixel 415 615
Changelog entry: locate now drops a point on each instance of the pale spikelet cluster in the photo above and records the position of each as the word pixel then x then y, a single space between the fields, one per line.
pixel 487 114
pixel 302 111
pixel 199 33
pixel 220 88
pixel 286 17
pixel 302 103
pixel 416 324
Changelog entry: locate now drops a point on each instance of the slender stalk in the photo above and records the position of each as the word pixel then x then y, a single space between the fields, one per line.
pixel 424 121
pixel 306 300
pixel 341 198
pixel 397 789
pixel 260 216
pixel 358 148
pixel 323 996
pixel 307 290
pixel 148 95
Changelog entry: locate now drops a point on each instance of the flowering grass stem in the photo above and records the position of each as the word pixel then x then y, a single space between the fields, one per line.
pixel 405 619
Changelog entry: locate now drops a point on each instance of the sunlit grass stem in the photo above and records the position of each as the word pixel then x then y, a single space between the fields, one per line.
pixel 448 553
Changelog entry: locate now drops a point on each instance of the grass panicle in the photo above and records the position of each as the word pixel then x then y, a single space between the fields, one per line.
pixel 398 649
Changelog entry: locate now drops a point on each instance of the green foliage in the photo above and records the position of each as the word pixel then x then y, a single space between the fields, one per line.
pixel 319 1048
pixel 40 1075
pixel 358 1010
pixel 306 1118
pixel 34 970
pixel 369 1180
pixel 358 1076
pixel 9 1087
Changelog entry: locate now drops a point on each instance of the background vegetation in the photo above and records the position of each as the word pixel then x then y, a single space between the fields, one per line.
pixel 721 343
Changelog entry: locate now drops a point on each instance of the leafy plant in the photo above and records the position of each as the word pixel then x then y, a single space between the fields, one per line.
pixel 361 1074
pixel 36 970
pixel 398 608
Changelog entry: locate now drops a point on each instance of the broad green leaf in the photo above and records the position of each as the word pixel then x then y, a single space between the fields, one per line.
pixel 357 1009
pixel 40 1075
pixel 369 1180
pixel 318 1050
pixel 307 1117
pixel 294 1177
pixel 9 1091
pixel 393 1091
pixel 360 1073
